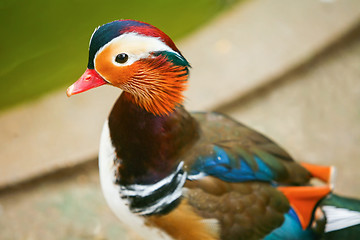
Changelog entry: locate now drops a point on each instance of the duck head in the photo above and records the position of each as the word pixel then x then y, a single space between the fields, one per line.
pixel 141 60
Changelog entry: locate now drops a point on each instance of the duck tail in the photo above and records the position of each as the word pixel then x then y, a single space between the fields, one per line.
pixel 342 217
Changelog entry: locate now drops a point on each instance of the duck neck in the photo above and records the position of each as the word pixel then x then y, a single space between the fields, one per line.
pixel 148 146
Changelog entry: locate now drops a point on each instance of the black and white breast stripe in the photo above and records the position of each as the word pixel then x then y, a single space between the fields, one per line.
pixel 111 191
pixel 157 198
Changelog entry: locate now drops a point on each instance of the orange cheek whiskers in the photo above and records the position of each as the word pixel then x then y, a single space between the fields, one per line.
pixel 157 88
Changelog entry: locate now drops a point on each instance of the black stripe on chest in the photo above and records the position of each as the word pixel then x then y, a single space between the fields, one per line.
pixel 158 198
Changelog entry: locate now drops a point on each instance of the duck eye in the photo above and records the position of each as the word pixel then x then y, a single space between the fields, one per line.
pixel 121 58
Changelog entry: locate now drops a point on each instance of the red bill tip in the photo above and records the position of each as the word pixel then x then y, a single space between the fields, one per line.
pixel 90 79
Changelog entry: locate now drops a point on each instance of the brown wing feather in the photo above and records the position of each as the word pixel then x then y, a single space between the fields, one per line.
pixel 242 142
pixel 248 210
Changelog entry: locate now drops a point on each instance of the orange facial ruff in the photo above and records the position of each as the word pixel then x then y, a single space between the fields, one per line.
pixel 155 83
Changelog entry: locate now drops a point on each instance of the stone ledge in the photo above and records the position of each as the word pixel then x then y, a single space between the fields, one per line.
pixel 244 48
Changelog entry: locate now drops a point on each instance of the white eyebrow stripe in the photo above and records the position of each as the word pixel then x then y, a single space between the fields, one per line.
pixel 136 46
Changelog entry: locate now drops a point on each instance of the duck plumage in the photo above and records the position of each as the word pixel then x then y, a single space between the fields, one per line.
pixel 192 175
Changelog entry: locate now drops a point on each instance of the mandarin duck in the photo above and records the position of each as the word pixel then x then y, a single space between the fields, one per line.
pixel 198 175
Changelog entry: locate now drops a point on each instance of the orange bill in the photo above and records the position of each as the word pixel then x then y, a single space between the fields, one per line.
pixel 90 79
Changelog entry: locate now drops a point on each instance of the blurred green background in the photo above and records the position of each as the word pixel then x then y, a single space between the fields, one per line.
pixel 44 44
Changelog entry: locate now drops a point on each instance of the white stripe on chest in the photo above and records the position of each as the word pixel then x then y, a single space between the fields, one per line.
pixel 171 186
pixel 111 191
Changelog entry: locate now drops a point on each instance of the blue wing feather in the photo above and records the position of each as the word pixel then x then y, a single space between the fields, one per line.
pixel 235 153
pixel 226 167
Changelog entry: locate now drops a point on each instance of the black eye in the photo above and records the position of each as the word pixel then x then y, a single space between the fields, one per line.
pixel 121 58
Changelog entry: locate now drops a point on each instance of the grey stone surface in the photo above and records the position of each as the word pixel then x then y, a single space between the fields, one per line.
pixel 258 42
pixel 244 48
pixel 67 206
pixel 314 112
